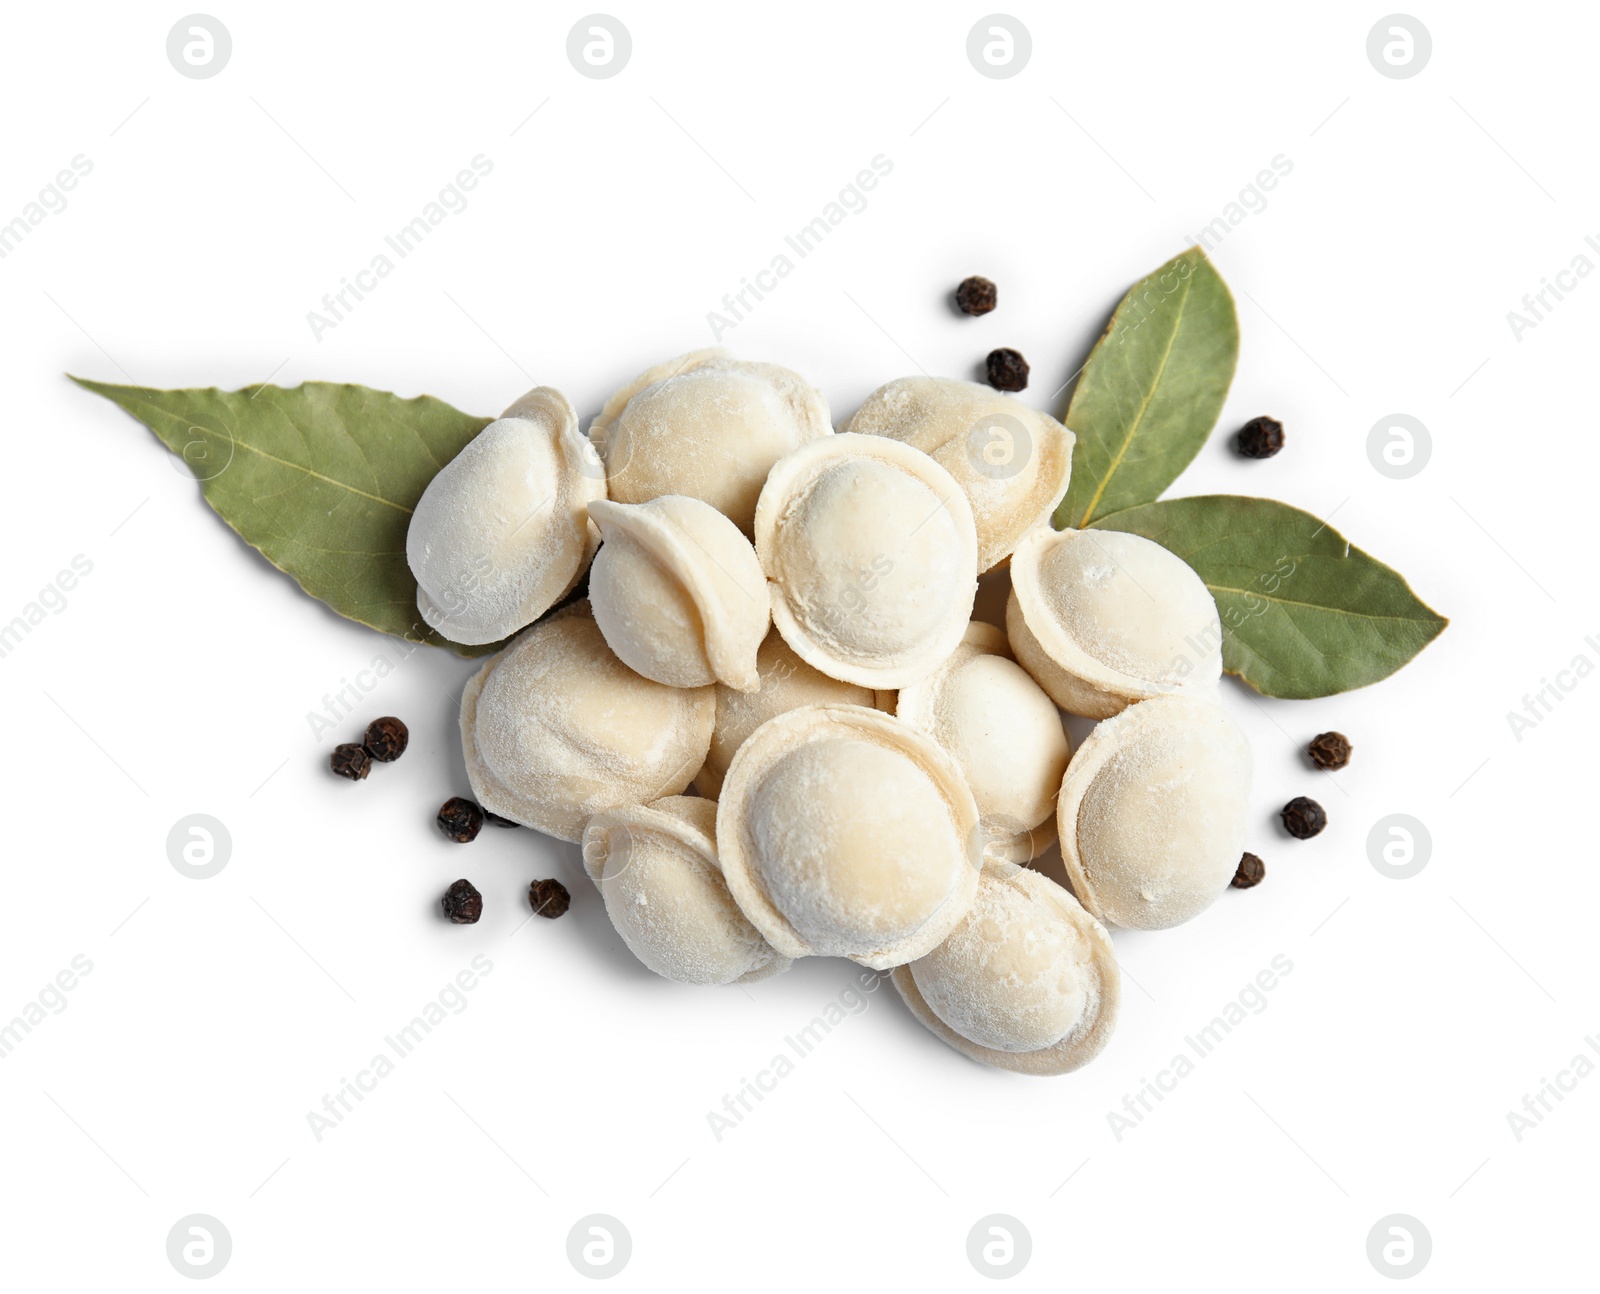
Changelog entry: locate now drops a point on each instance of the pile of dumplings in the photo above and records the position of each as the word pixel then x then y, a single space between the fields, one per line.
pixel 774 726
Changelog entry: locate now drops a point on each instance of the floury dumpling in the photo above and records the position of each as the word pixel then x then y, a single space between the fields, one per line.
pixel 786 683
pixel 1153 812
pixel 657 870
pixel 556 729
pixel 1027 980
pixel 1102 618
pixel 678 592
pixel 872 557
pixel 846 833
pixel 1005 734
pixel 708 426
pixel 502 533
pixel 1012 461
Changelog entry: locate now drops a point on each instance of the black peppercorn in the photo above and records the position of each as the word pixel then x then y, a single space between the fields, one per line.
pixel 1329 750
pixel 1259 438
pixel 350 760
pixel 1251 870
pixel 549 898
pixel 386 739
pixel 1303 818
pixel 462 903
pixel 976 295
pixel 1007 370
pixel 460 819
pixel 495 820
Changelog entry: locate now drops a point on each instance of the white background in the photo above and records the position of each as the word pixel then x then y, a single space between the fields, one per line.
pixel 179 677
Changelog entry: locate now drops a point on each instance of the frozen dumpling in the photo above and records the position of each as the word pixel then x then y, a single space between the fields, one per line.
pixel 708 426
pixel 1004 733
pixel 656 868
pixel 1027 980
pixel 787 683
pixel 555 728
pixel 1153 812
pixel 1101 618
pixel 1013 462
pixel 870 549
pixel 678 593
pixel 844 832
pixel 503 531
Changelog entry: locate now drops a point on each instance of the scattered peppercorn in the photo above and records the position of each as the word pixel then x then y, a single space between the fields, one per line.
pixel 1251 870
pixel 386 739
pixel 460 819
pixel 976 295
pixel 549 898
pixel 495 820
pixel 1259 438
pixel 1329 750
pixel 462 903
pixel 1303 818
pixel 350 760
pixel 1007 370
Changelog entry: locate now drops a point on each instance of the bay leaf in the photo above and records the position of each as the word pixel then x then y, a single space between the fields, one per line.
pixel 320 478
pixel 1304 613
pixel 1151 390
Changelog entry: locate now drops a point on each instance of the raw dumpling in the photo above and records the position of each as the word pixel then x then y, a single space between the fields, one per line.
pixel 787 683
pixel 678 593
pixel 1027 981
pixel 503 532
pixel 555 728
pixel 1101 618
pixel 1012 462
pixel 846 833
pixel 1004 733
pixel 708 426
pixel 870 548
pixel 656 867
pixel 1153 812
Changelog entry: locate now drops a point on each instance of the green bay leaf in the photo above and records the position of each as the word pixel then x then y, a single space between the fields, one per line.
pixel 1152 389
pixel 1304 613
pixel 320 478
